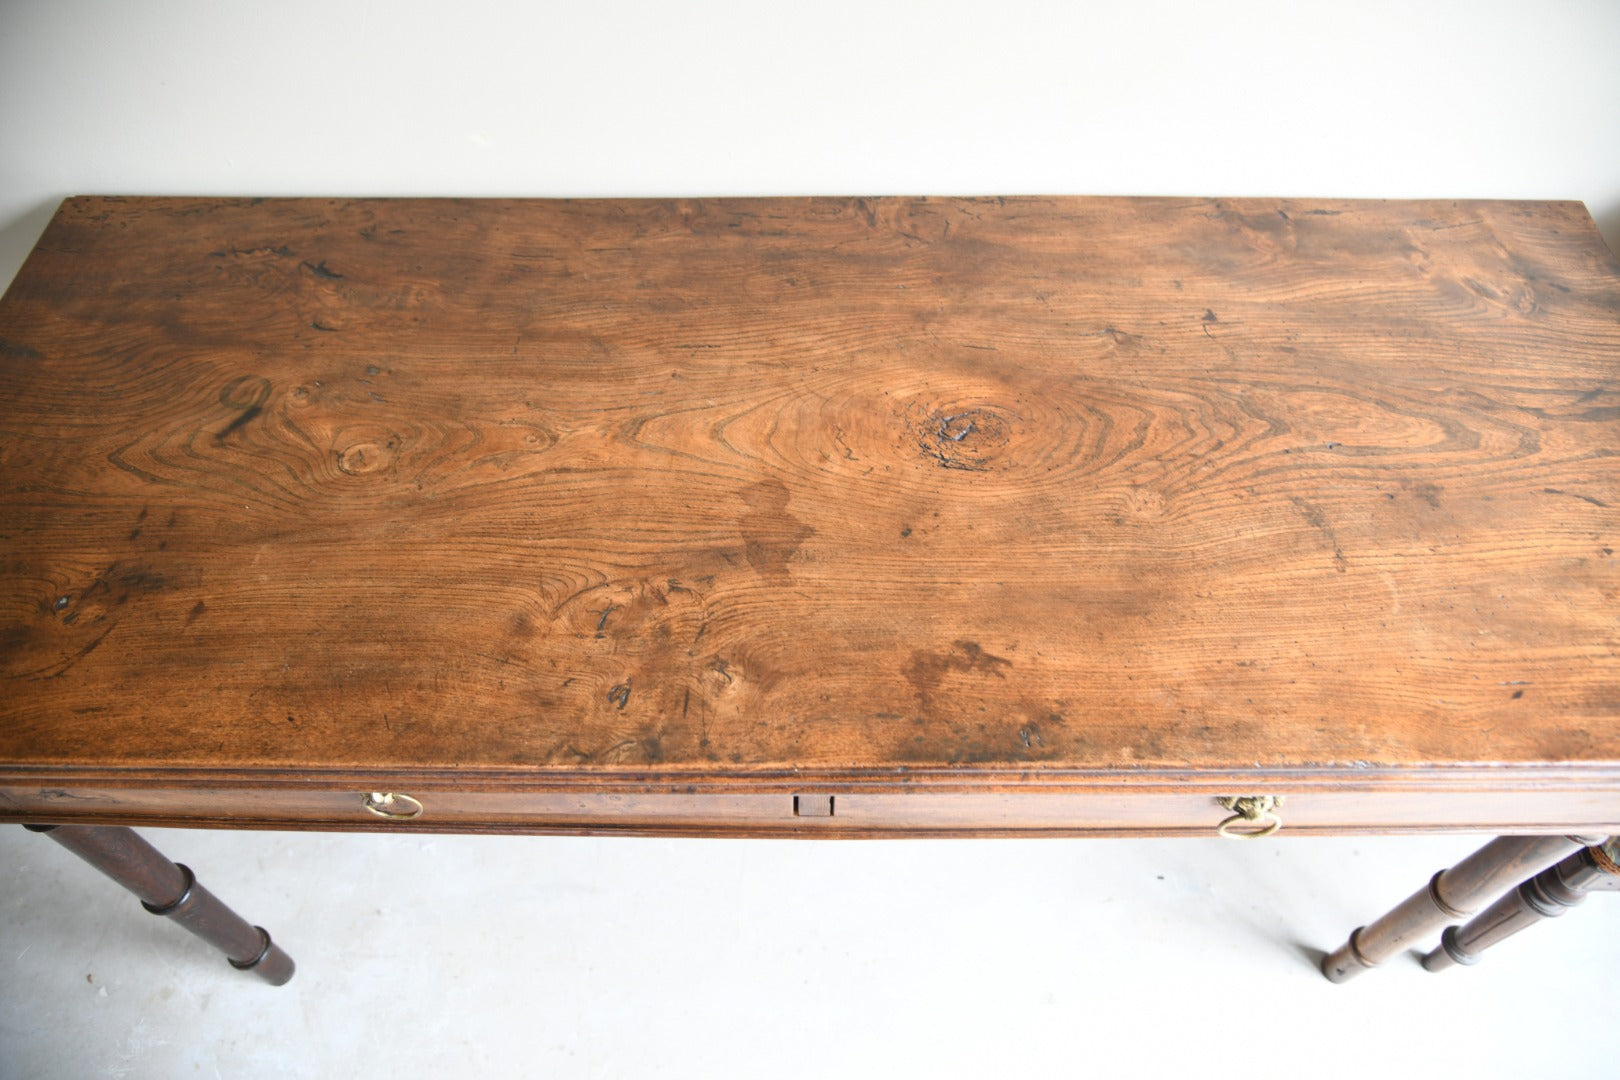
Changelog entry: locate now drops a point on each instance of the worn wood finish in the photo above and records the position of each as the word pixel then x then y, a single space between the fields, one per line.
pixel 1451 895
pixel 1046 810
pixel 171 890
pixel 1547 895
pixel 806 494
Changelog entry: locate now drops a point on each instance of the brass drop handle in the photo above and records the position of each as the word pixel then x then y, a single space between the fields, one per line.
pixel 1260 810
pixel 387 804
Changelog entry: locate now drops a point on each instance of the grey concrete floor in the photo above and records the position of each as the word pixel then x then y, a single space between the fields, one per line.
pixel 558 957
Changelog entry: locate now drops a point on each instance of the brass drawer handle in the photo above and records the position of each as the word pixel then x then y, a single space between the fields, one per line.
pixel 1258 810
pixel 389 805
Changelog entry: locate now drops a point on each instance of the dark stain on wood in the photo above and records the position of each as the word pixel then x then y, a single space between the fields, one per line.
pixel 13 351
pixel 1577 495
pixel 247 393
pixel 771 535
pixel 1429 493
pixel 927 669
pixel 1318 520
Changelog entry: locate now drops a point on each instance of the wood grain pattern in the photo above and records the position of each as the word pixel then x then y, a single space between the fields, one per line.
pixel 973 491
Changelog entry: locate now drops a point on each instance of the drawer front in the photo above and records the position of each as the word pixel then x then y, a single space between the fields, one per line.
pixel 815 813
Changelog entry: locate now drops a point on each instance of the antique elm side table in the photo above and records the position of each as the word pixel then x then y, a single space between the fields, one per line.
pixel 816 518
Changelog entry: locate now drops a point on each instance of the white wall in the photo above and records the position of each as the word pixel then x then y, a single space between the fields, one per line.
pixel 826 96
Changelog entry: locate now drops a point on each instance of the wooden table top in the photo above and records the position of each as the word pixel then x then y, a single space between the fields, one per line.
pixel 939 489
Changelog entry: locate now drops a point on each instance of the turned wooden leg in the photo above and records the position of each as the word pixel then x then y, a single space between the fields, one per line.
pixel 1547 895
pixel 1451 896
pixel 167 888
